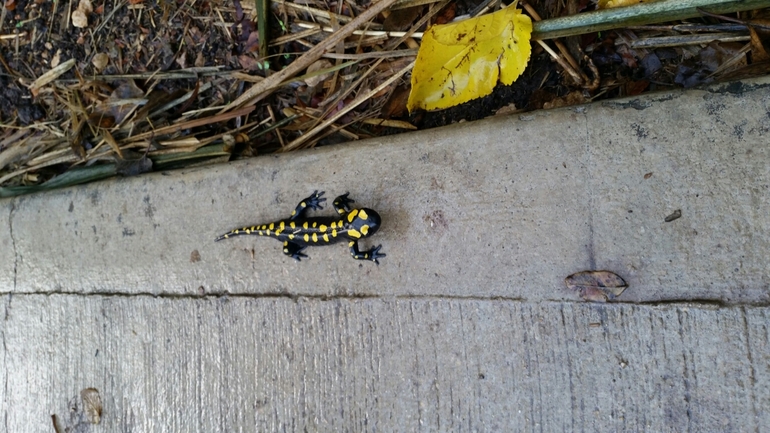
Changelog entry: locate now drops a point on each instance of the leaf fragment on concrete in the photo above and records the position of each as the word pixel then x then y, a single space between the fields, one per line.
pixel 596 286
pixel 462 61
pixel 92 405
pixel 674 216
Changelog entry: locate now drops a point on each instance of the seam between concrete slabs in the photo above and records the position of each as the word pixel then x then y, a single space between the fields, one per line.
pixel 705 304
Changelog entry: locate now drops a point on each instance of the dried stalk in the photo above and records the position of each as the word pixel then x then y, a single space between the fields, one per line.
pixel 262 89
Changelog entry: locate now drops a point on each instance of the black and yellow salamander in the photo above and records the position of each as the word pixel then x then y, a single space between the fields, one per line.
pixel 298 232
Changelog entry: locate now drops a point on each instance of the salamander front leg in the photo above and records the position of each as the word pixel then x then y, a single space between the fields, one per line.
pixel 372 254
pixel 294 251
pixel 312 202
pixel 342 203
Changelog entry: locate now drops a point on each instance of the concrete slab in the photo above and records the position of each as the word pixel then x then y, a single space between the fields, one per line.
pixel 238 364
pixel 7 249
pixel 501 208
pixel 705 155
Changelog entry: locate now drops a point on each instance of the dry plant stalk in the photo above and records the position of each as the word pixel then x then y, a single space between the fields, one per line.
pixel 260 90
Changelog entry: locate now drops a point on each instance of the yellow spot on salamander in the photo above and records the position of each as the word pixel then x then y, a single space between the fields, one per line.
pixel 365 229
pixel 334 233
pixel 286 244
pixel 248 231
pixel 307 237
pixel 326 238
pixel 351 243
pixel 264 227
pixel 322 228
pixel 315 237
pixel 285 250
pixel 294 212
pixel 362 213
pixel 236 232
pixel 272 226
pixel 226 236
pixel 353 233
pixel 292 225
pixel 259 232
pixel 352 215
pixel 315 223
pixel 304 225
pixel 291 236
pixel 278 232
pixel 366 256
pixel 267 233
pixel 282 225
pixel 334 225
pixel 303 204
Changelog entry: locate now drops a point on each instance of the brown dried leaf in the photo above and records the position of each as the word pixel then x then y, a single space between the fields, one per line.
pixel 318 65
pixel 760 42
pixel 596 286
pixel 80 16
pixel 133 166
pixel 100 61
pixel 92 405
pixel 401 19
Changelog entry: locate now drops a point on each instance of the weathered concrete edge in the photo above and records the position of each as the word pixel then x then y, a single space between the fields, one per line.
pixel 8 258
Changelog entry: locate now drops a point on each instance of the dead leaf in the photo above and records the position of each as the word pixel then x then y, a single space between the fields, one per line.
pixel 464 60
pixel 92 405
pixel 760 42
pixel 318 65
pixel 80 15
pixel 596 286
pixel 572 98
pixel 395 106
pixel 100 61
pixel 133 164
pixel 401 19
pixel 648 175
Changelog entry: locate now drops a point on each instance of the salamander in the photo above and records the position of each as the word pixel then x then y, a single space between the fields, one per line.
pixel 298 231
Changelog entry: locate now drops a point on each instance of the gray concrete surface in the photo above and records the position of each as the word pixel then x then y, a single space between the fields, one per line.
pixel 386 365
pixel 505 207
pixel 465 326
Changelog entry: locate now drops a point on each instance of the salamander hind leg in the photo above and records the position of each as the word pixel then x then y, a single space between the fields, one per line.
pixel 342 203
pixel 372 254
pixel 312 202
pixel 294 250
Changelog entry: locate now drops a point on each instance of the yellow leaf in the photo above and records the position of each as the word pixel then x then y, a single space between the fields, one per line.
pixel 462 61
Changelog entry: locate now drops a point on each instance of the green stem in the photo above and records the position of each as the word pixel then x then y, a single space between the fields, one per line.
pixel 640 14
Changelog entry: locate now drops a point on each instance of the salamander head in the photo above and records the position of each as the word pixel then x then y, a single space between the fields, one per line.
pixel 365 221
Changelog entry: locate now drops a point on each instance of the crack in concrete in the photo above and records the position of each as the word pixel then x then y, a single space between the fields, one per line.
pixel 591 255
pixel 752 372
pixel 5 358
